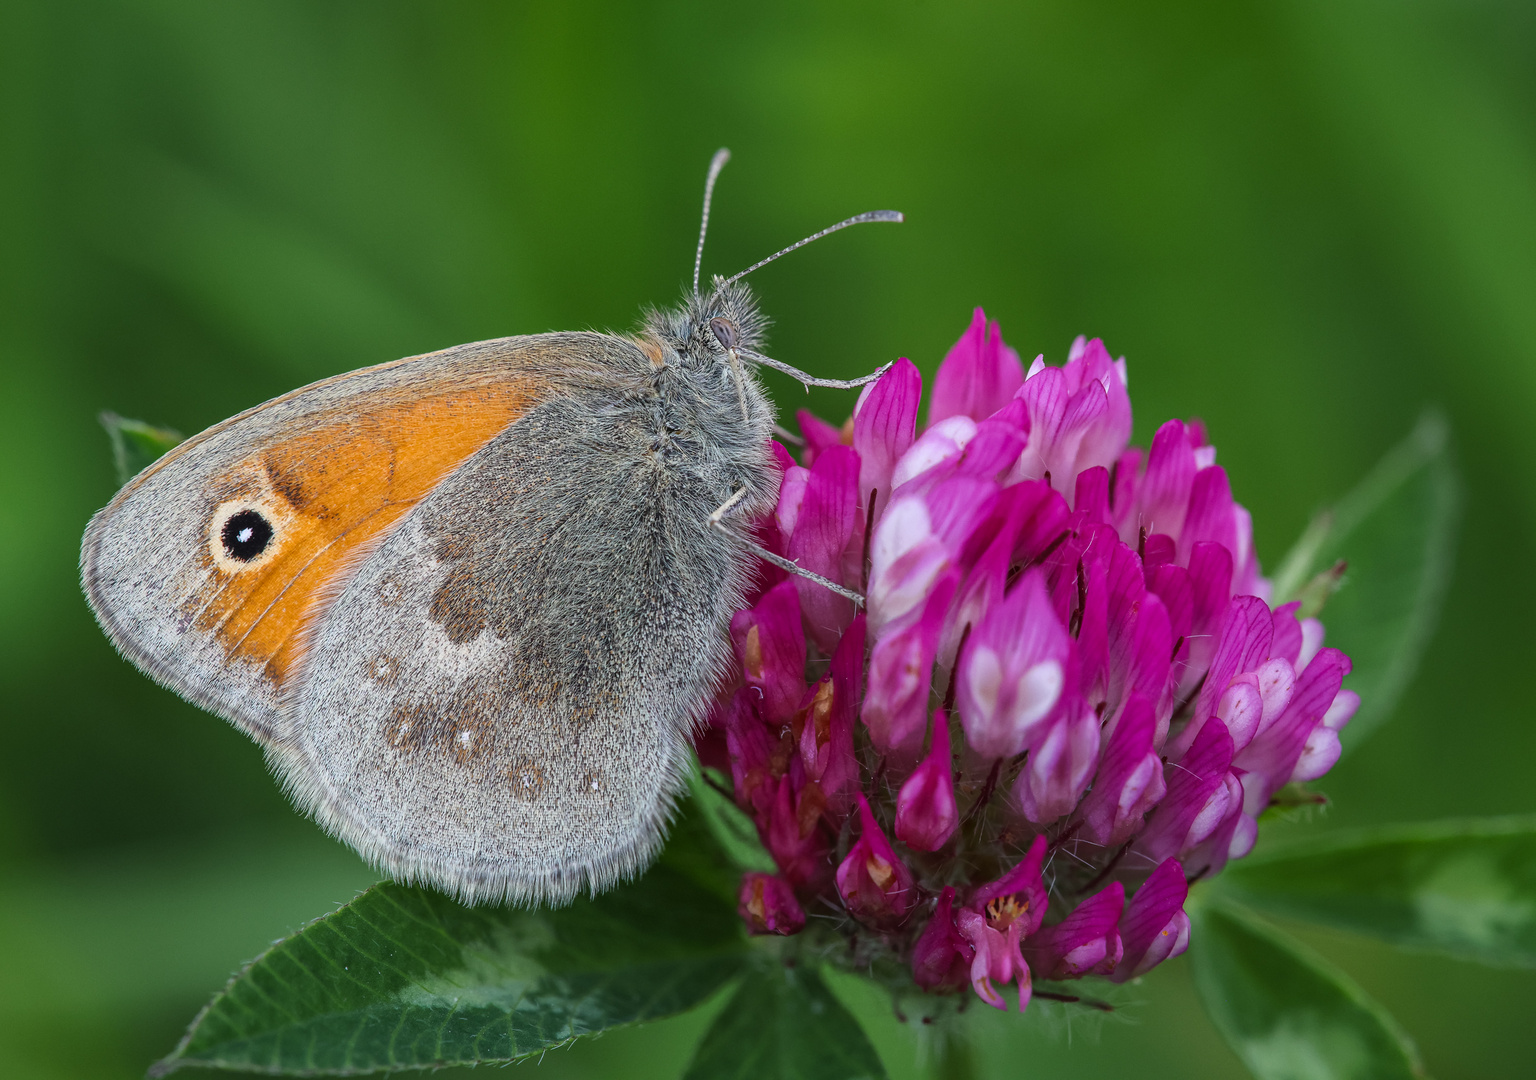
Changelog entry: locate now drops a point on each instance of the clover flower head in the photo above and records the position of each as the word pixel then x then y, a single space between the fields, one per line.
pixel 1067 697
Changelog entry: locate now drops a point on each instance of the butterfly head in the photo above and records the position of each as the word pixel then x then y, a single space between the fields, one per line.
pixel 707 327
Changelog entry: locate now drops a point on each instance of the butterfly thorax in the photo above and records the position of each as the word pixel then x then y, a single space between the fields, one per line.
pixel 711 413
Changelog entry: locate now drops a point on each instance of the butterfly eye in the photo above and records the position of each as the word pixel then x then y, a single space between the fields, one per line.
pixel 724 331
pixel 245 535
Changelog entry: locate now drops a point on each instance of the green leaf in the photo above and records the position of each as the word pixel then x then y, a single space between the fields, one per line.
pixel 783 1024
pixel 730 826
pixel 697 849
pixel 1287 1012
pixel 135 444
pixel 403 977
pixel 1395 533
pixel 1467 888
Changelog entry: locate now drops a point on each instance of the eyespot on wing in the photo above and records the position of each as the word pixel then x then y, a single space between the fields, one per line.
pixel 206 568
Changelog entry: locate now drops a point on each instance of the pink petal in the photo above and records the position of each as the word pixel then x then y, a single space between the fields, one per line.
pixel 1086 942
pixel 941 444
pixel 1012 671
pixel 884 425
pixel 1060 765
pixel 770 647
pixel 1129 781
pixel 1192 783
pixel 822 541
pixel 875 885
pixel 978 375
pixel 1163 493
pixel 941 957
pixel 767 905
pixel 1154 927
pixel 1210 517
pixel 900 668
pixel 1242 644
pixel 818 435
pixel 926 814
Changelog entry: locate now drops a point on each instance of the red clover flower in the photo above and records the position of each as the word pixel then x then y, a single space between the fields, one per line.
pixel 1094 617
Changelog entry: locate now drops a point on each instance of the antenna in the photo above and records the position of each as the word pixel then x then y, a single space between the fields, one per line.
pixel 858 219
pixel 716 163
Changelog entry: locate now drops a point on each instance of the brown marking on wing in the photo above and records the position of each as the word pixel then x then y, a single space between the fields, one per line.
pixel 340 483
pixel 527 778
pixel 459 605
pixel 459 728
pixel 384 669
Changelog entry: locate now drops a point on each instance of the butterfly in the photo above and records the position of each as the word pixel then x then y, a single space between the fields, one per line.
pixel 472 604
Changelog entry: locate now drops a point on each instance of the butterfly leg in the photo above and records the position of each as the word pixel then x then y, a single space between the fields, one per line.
pixel 717 521
pixel 726 507
pixel 740 378
pixel 811 380
pixel 785 435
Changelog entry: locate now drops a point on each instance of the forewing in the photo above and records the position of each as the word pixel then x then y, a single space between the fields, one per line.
pixel 331 469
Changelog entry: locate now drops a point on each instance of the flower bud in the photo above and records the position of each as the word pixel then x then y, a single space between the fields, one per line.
pixel 1086 942
pixel 768 905
pixel 900 669
pixel 1193 783
pixel 792 832
pixel 906 558
pixel 922 536
pixel 1155 927
pixel 884 425
pixel 1162 496
pixel 825 528
pixel 1230 837
pixel 771 648
pixel 1079 416
pixel 826 744
pixel 1243 641
pixel 978 376
pixel 1060 765
pixel 926 815
pixel 874 884
pixel 751 751
pixel 941 957
pixel 1275 754
pixel 1129 781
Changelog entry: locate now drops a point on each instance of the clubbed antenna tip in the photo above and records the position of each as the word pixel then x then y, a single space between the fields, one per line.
pixel 857 219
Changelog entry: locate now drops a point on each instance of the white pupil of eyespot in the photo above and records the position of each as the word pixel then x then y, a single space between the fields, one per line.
pixel 245 534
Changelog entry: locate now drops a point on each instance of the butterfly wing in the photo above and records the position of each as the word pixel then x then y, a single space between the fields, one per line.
pixel 467 601
pixel 499 701
pixel 204 569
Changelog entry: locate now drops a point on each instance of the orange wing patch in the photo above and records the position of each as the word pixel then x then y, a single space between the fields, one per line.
pixel 322 495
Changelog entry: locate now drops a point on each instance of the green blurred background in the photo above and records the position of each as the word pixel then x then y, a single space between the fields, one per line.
pixel 1302 221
